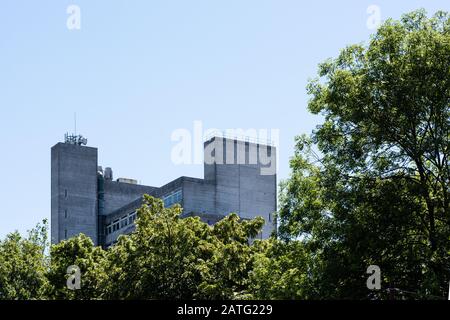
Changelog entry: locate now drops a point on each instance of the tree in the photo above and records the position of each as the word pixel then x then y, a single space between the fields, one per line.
pixel 225 274
pixel 281 271
pixel 158 260
pixel 78 251
pixel 168 257
pixel 23 265
pixel 378 193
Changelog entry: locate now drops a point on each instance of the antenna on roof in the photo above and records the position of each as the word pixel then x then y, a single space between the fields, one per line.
pixel 74 138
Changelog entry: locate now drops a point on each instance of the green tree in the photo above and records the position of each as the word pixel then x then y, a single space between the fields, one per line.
pixel 281 271
pixel 92 261
pixel 378 191
pixel 225 274
pixel 168 257
pixel 23 265
pixel 158 260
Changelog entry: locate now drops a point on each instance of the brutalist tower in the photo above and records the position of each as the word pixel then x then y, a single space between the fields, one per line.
pixel 239 176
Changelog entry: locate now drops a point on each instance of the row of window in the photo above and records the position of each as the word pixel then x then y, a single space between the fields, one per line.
pixel 169 200
pixel 173 198
pixel 121 223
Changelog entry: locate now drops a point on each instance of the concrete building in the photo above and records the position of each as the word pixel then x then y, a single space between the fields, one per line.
pixel 239 176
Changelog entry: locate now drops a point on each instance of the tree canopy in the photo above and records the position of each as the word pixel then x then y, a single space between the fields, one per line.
pixel 371 184
pixel 167 257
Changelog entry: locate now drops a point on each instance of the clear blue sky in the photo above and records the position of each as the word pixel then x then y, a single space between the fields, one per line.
pixel 138 70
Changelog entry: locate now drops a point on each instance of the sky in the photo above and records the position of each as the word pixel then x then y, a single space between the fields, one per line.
pixel 134 72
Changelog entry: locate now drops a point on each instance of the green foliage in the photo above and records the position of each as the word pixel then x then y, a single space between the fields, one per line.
pixel 159 260
pixel 78 251
pixel 172 258
pixel 225 274
pixel 379 191
pixel 281 271
pixel 167 257
pixel 23 265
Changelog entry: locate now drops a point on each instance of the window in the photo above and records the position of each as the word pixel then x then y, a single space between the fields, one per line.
pixel 120 223
pixel 133 217
pixel 171 199
pixel 65 213
pixel 65 234
pixel 115 225
pixel 123 222
pixel 65 193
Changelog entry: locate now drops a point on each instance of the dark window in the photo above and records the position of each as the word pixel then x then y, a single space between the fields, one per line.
pixel 65 193
pixel 65 234
pixel 116 225
pixel 65 213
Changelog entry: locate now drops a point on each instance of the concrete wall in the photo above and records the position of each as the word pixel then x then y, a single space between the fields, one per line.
pixel 244 175
pixel 118 194
pixel 73 189
pixel 257 196
pixel 198 197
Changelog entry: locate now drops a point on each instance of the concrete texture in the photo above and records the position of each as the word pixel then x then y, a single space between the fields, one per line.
pixel 74 191
pixel 239 177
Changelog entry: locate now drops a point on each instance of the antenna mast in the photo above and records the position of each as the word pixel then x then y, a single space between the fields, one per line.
pixel 74 138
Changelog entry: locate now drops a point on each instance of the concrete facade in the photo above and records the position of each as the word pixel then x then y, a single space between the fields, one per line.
pixel 73 191
pixel 239 177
